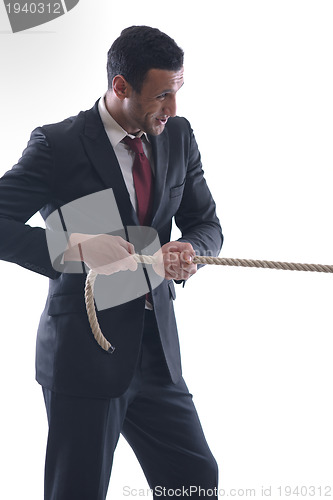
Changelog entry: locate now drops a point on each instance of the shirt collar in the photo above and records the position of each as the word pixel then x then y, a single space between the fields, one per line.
pixel 114 131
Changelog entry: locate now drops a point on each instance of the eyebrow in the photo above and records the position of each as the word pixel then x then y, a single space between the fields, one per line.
pixel 167 91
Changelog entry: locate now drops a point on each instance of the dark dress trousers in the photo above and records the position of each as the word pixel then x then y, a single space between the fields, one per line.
pixel 62 163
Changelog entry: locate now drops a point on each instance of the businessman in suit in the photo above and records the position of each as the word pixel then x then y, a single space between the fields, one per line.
pixel 92 396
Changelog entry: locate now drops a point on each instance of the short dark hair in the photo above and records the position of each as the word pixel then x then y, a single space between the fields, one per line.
pixel 139 49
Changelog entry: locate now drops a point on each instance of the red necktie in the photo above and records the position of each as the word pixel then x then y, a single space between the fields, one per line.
pixel 143 181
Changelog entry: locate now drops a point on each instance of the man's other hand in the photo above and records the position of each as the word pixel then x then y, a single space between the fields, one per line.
pixel 177 259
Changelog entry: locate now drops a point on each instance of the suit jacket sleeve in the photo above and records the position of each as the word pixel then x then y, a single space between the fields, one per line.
pixel 24 190
pixel 196 216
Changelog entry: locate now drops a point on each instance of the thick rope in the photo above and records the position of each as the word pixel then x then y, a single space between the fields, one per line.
pixel 91 311
pixel 267 264
pixel 216 261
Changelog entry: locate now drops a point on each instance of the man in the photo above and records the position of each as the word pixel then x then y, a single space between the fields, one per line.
pixel 91 396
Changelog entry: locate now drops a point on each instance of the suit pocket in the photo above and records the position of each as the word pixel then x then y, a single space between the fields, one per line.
pixel 177 190
pixel 66 304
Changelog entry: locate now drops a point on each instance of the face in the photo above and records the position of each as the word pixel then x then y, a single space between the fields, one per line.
pixel 150 109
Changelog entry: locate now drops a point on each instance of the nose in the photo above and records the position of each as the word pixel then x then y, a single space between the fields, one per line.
pixel 170 107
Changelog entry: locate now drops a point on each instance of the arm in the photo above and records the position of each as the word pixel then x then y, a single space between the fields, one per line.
pixel 197 220
pixel 24 190
pixel 196 216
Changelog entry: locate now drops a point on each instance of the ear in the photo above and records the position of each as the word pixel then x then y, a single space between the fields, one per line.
pixel 121 87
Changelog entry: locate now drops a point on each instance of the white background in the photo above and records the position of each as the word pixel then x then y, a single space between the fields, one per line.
pixel 256 344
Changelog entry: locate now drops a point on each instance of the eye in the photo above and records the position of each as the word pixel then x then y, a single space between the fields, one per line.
pixel 162 96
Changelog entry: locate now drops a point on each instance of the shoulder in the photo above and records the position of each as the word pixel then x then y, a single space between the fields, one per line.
pixel 179 131
pixel 178 124
pixel 64 138
pixel 73 125
pixel 68 124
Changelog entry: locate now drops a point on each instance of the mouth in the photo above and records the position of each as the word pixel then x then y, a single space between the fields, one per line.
pixel 162 121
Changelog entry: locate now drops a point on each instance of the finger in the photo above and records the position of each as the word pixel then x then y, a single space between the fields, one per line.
pixel 172 266
pixel 171 258
pixel 124 264
pixel 130 248
pixel 186 257
pixel 106 270
pixel 171 273
pixel 130 264
pixel 187 271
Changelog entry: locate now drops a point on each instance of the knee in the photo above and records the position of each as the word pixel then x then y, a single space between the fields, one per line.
pixel 211 470
pixel 205 473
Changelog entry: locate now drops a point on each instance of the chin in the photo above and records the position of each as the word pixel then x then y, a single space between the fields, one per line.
pixel 156 130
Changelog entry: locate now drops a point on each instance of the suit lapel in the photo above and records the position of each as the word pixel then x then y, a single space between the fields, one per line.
pixel 160 147
pixel 104 160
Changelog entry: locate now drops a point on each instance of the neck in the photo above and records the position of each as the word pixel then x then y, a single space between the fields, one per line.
pixel 114 107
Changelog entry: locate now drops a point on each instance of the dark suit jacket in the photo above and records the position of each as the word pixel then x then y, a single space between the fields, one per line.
pixel 66 161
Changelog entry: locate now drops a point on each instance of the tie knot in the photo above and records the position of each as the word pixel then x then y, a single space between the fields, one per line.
pixel 134 144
